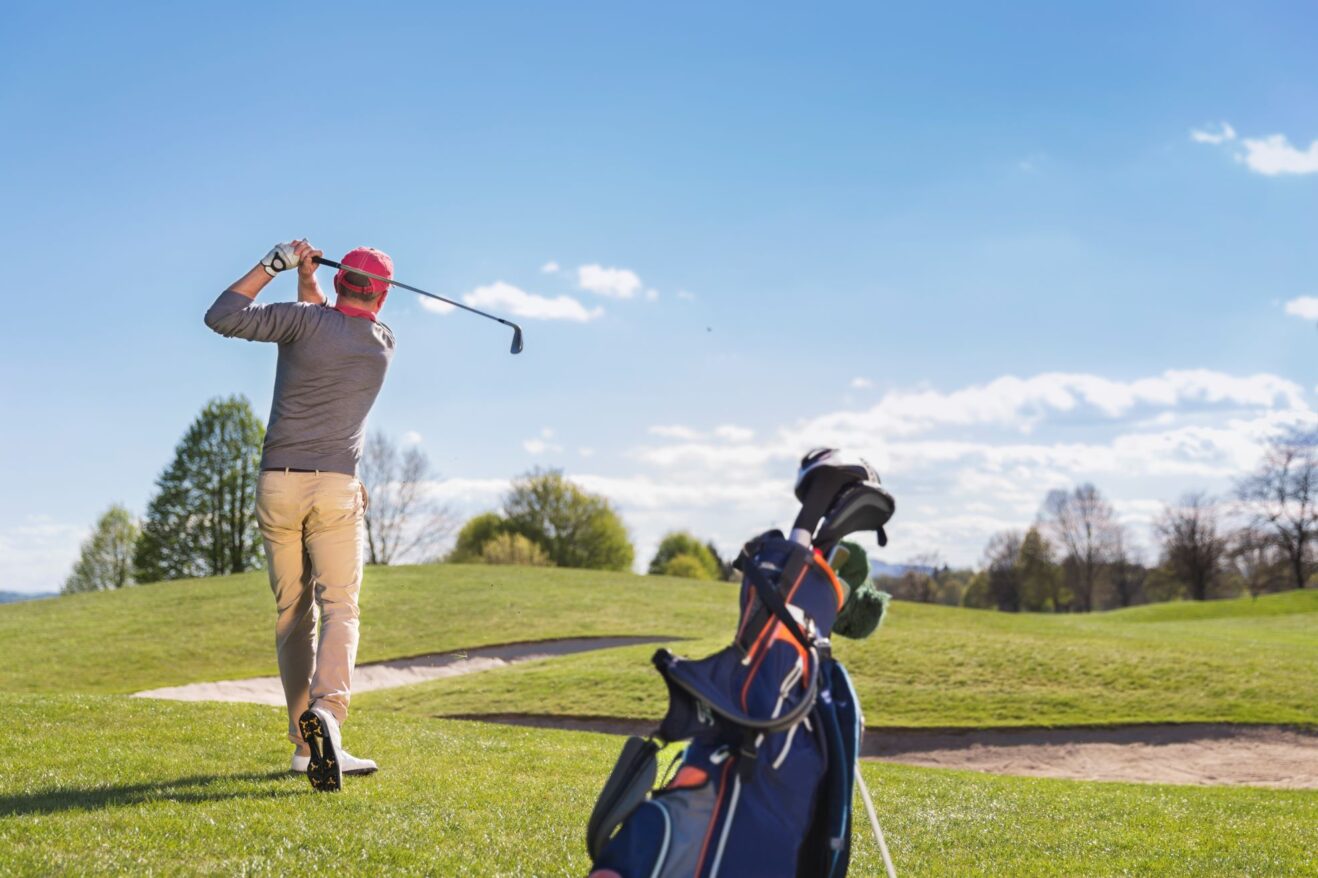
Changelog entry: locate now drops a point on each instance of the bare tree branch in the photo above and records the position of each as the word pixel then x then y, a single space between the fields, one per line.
pixel 401 522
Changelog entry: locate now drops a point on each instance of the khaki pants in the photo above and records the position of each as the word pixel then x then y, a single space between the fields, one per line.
pixel 311 523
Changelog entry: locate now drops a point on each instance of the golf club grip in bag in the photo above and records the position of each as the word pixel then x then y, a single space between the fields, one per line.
pixel 763 789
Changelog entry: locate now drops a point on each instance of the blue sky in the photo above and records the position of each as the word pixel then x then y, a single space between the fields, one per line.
pixel 996 251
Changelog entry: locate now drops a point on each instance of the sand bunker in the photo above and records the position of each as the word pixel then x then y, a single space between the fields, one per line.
pixel 1197 753
pixel 1200 753
pixel 402 672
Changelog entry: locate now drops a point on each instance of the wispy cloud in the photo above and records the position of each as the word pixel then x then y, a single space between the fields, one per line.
pixel 861 383
pixel 1304 307
pixel 615 283
pixel 512 300
pixel 434 306
pixel 412 437
pixel 1223 133
pixel 550 267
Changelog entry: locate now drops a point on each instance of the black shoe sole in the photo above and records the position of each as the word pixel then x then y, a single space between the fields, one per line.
pixel 324 771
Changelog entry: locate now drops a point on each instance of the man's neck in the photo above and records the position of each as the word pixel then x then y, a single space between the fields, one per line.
pixel 354 310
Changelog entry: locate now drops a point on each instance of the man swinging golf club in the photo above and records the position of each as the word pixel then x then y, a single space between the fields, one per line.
pixel 309 503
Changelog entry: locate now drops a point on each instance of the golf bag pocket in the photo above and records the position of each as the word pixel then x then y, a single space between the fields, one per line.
pixel 624 791
pixel 666 836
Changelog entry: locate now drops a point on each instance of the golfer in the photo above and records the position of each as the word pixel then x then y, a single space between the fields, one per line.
pixel 309 503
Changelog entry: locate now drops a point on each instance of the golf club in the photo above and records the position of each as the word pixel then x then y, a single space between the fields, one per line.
pixel 517 330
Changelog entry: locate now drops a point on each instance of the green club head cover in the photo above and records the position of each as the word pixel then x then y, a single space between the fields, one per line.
pixel 866 605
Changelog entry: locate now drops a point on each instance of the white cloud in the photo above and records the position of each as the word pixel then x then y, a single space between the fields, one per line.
pixel 967 462
pixel 586 452
pixel 1304 307
pixel 651 295
pixel 1273 155
pixel 435 306
pixel 686 296
pixel 36 555
pixel 412 437
pixel 861 383
pixel 550 267
pixel 615 283
pixel 733 433
pixel 500 296
pixel 1224 133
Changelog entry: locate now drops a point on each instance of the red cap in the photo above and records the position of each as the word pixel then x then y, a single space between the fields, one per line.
pixel 367 259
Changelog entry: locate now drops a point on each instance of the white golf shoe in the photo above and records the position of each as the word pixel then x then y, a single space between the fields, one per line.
pixel 351 764
pixel 328 762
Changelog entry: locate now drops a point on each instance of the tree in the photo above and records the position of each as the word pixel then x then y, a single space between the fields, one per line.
pixel 574 527
pixel 1126 572
pixel 106 558
pixel 677 543
pixel 1254 555
pixel 506 548
pixel 1084 526
pixel 687 567
pixel 1282 497
pixel 1002 559
pixel 976 594
pixel 726 570
pixel 471 540
pixel 401 522
pixel 1192 549
pixel 1041 580
pixel 202 521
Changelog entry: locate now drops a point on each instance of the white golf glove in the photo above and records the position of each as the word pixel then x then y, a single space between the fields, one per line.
pixel 280 258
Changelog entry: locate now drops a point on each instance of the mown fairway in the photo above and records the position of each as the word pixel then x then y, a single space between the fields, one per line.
pixel 94 781
pixel 168 788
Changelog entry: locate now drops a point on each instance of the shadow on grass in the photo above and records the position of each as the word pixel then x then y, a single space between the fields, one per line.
pixel 198 788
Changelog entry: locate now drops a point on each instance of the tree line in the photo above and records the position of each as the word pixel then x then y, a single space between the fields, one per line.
pixel 201 519
pixel 1077 556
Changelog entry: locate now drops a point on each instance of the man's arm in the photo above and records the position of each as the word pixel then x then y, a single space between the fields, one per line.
pixel 235 314
pixel 308 289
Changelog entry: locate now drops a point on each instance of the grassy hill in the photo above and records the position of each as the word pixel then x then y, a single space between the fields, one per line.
pixel 92 781
pixel 1232 661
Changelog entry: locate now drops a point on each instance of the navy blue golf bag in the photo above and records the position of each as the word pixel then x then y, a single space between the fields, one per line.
pixel 764 788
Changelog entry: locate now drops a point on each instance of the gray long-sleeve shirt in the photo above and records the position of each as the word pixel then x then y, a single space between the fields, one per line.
pixel 330 370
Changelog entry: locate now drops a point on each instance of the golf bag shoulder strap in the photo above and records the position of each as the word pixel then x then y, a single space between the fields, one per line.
pixel 772 598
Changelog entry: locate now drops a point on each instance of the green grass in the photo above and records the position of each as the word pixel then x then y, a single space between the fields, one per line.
pixel 1248 661
pixel 169 788
pixel 938 666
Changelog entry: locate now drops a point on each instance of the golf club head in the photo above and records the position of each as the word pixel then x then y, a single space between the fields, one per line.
pixel 823 475
pixel 860 506
pixel 517 339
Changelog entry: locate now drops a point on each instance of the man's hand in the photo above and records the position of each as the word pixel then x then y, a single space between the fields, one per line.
pixel 280 258
pixel 306 258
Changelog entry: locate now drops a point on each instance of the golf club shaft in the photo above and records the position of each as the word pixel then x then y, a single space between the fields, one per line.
pixel 332 264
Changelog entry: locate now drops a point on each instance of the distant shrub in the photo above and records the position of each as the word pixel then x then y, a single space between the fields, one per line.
pixel 474 535
pixel 679 543
pixel 514 549
pixel 687 567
